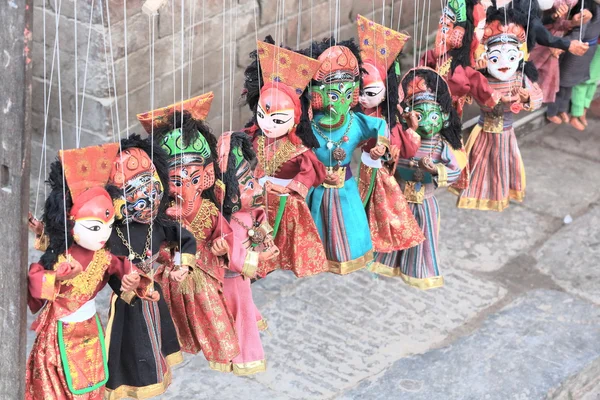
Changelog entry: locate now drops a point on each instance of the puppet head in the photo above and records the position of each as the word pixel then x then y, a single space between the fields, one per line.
pixel 379 48
pixel 236 159
pixel 426 93
pixel 451 29
pixel 336 88
pixel 503 39
pixel 285 74
pixel 190 148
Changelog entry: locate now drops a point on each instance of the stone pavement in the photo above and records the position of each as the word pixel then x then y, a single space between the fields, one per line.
pixel 519 317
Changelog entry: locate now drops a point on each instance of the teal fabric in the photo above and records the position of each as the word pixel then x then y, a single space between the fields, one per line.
pixel 347 203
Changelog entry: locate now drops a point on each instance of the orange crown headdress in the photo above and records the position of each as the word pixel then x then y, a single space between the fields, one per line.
pixel 198 107
pixel 379 48
pixel 87 171
pixel 417 91
pixel 495 32
pixel 338 65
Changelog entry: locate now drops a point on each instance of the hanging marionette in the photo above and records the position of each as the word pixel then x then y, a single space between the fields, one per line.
pixel 253 244
pixel 426 97
pixel 336 206
pixel 497 173
pixel 68 359
pixel 391 222
pixel 143 344
pixel 287 167
pixel 197 303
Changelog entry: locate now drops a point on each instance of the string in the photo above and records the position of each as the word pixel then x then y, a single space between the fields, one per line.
pixel 580 20
pixel 526 37
pixel 75 45
pixel 203 53
pixel 62 139
pixel 400 14
pixel 126 69
pixel 180 216
pixel 108 84
pixel 298 29
pixel 87 56
pixel 173 51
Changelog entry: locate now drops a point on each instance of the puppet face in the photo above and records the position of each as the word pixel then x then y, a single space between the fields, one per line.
pixel 187 182
pixel 94 222
pixel 337 100
pixel 546 4
pixel 143 195
pixel 448 37
pixel 275 113
pixel 503 60
pixel 251 192
pixel 431 119
pixel 480 29
pixel 372 95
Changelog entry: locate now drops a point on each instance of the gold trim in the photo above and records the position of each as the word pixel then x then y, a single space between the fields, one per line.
pixel 41 242
pixel 455 191
pixel 262 325
pixel 49 286
pixel 145 392
pixel 203 219
pixel 174 358
pixel 220 367
pixel 419 283
pixel 341 173
pixel 490 205
pixel 265 228
pixel 128 296
pixel 250 264
pixel 189 260
pixel 249 368
pixel 109 324
pixel 384 141
pixel 346 267
pixel 442 178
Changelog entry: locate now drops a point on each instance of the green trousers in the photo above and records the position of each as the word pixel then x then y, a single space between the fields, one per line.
pixel 583 94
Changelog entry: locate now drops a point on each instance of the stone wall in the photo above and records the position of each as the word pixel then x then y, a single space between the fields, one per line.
pixel 217 38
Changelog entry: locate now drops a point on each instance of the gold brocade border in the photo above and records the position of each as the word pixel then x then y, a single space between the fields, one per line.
pixel 174 358
pixel 262 325
pixel 454 191
pixel 346 267
pixel 442 175
pixel 490 205
pixel 419 283
pixel 109 324
pixel 250 264
pixel 145 392
pixel 220 367
pixel 249 368
pixel 384 141
pixel 341 174
pixel 189 260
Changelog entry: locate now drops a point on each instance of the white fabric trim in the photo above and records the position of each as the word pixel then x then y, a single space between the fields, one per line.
pixel 366 159
pixel 85 312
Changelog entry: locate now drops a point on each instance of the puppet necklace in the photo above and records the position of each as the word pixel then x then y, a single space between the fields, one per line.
pixel 133 254
pixel 254 234
pixel 338 153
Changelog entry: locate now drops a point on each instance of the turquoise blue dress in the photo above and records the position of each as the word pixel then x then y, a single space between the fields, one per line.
pixel 339 212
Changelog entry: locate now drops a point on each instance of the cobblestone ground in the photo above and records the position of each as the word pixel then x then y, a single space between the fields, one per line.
pixel 519 317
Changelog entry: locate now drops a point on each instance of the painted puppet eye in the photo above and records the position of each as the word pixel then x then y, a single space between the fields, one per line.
pixel 445 30
pixel 250 185
pixel 494 59
pixel 419 117
pixel 349 95
pixel 260 115
pixel 333 97
pixel 434 117
pixel 93 228
pixel 279 121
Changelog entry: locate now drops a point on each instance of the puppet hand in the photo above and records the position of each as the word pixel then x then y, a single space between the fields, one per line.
pixel 35 225
pixel 269 253
pixel 174 212
pixel 481 64
pixel 179 274
pixel 411 120
pixel 508 99
pixel 130 282
pixel 219 247
pixel 427 164
pixel 269 242
pixel 377 152
pixel 153 296
pixel 576 20
pixel 560 11
pixel 578 48
pixel 332 179
pixel 394 152
pixel 276 189
pixel 68 270
pixel 523 95
pixel 556 52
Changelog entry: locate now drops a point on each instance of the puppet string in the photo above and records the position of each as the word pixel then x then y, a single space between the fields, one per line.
pixel 75 62
pixel 87 56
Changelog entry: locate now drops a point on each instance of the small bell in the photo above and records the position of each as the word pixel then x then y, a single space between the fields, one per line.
pixel 330 145
pixel 131 256
pixel 251 232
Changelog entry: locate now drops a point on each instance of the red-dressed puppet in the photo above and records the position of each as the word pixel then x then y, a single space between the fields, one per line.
pixel 286 166
pixel 68 359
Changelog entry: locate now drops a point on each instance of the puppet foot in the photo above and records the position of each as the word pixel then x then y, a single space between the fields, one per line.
pixel 564 116
pixel 555 119
pixel 577 124
pixel 583 118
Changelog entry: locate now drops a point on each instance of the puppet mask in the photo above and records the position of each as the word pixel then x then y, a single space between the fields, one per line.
pixel 275 113
pixel 546 4
pixel 143 195
pixel 187 182
pixel 94 216
pixel 450 36
pixel 431 119
pixel 503 60
pixel 251 192
pixel 374 91
pixel 337 100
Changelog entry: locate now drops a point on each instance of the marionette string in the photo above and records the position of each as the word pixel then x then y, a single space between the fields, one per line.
pixel 85 72
pixel 526 37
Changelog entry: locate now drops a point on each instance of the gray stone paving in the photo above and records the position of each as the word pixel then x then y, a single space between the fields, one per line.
pixel 519 317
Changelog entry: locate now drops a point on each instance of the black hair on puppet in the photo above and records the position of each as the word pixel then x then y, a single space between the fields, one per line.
pixel 462 56
pixel 516 16
pixel 251 94
pixel 54 215
pixel 231 201
pixel 191 129
pixel 452 132
pixel 159 159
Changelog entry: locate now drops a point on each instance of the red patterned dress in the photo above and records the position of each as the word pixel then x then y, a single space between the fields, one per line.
pixel 197 304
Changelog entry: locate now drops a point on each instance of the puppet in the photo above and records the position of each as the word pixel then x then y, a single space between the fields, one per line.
pixel 275 91
pixel 392 224
pixel 141 337
pixel 497 173
pixel 336 206
pixel 197 303
pixel 427 100
pixel 68 359
pixel 253 244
